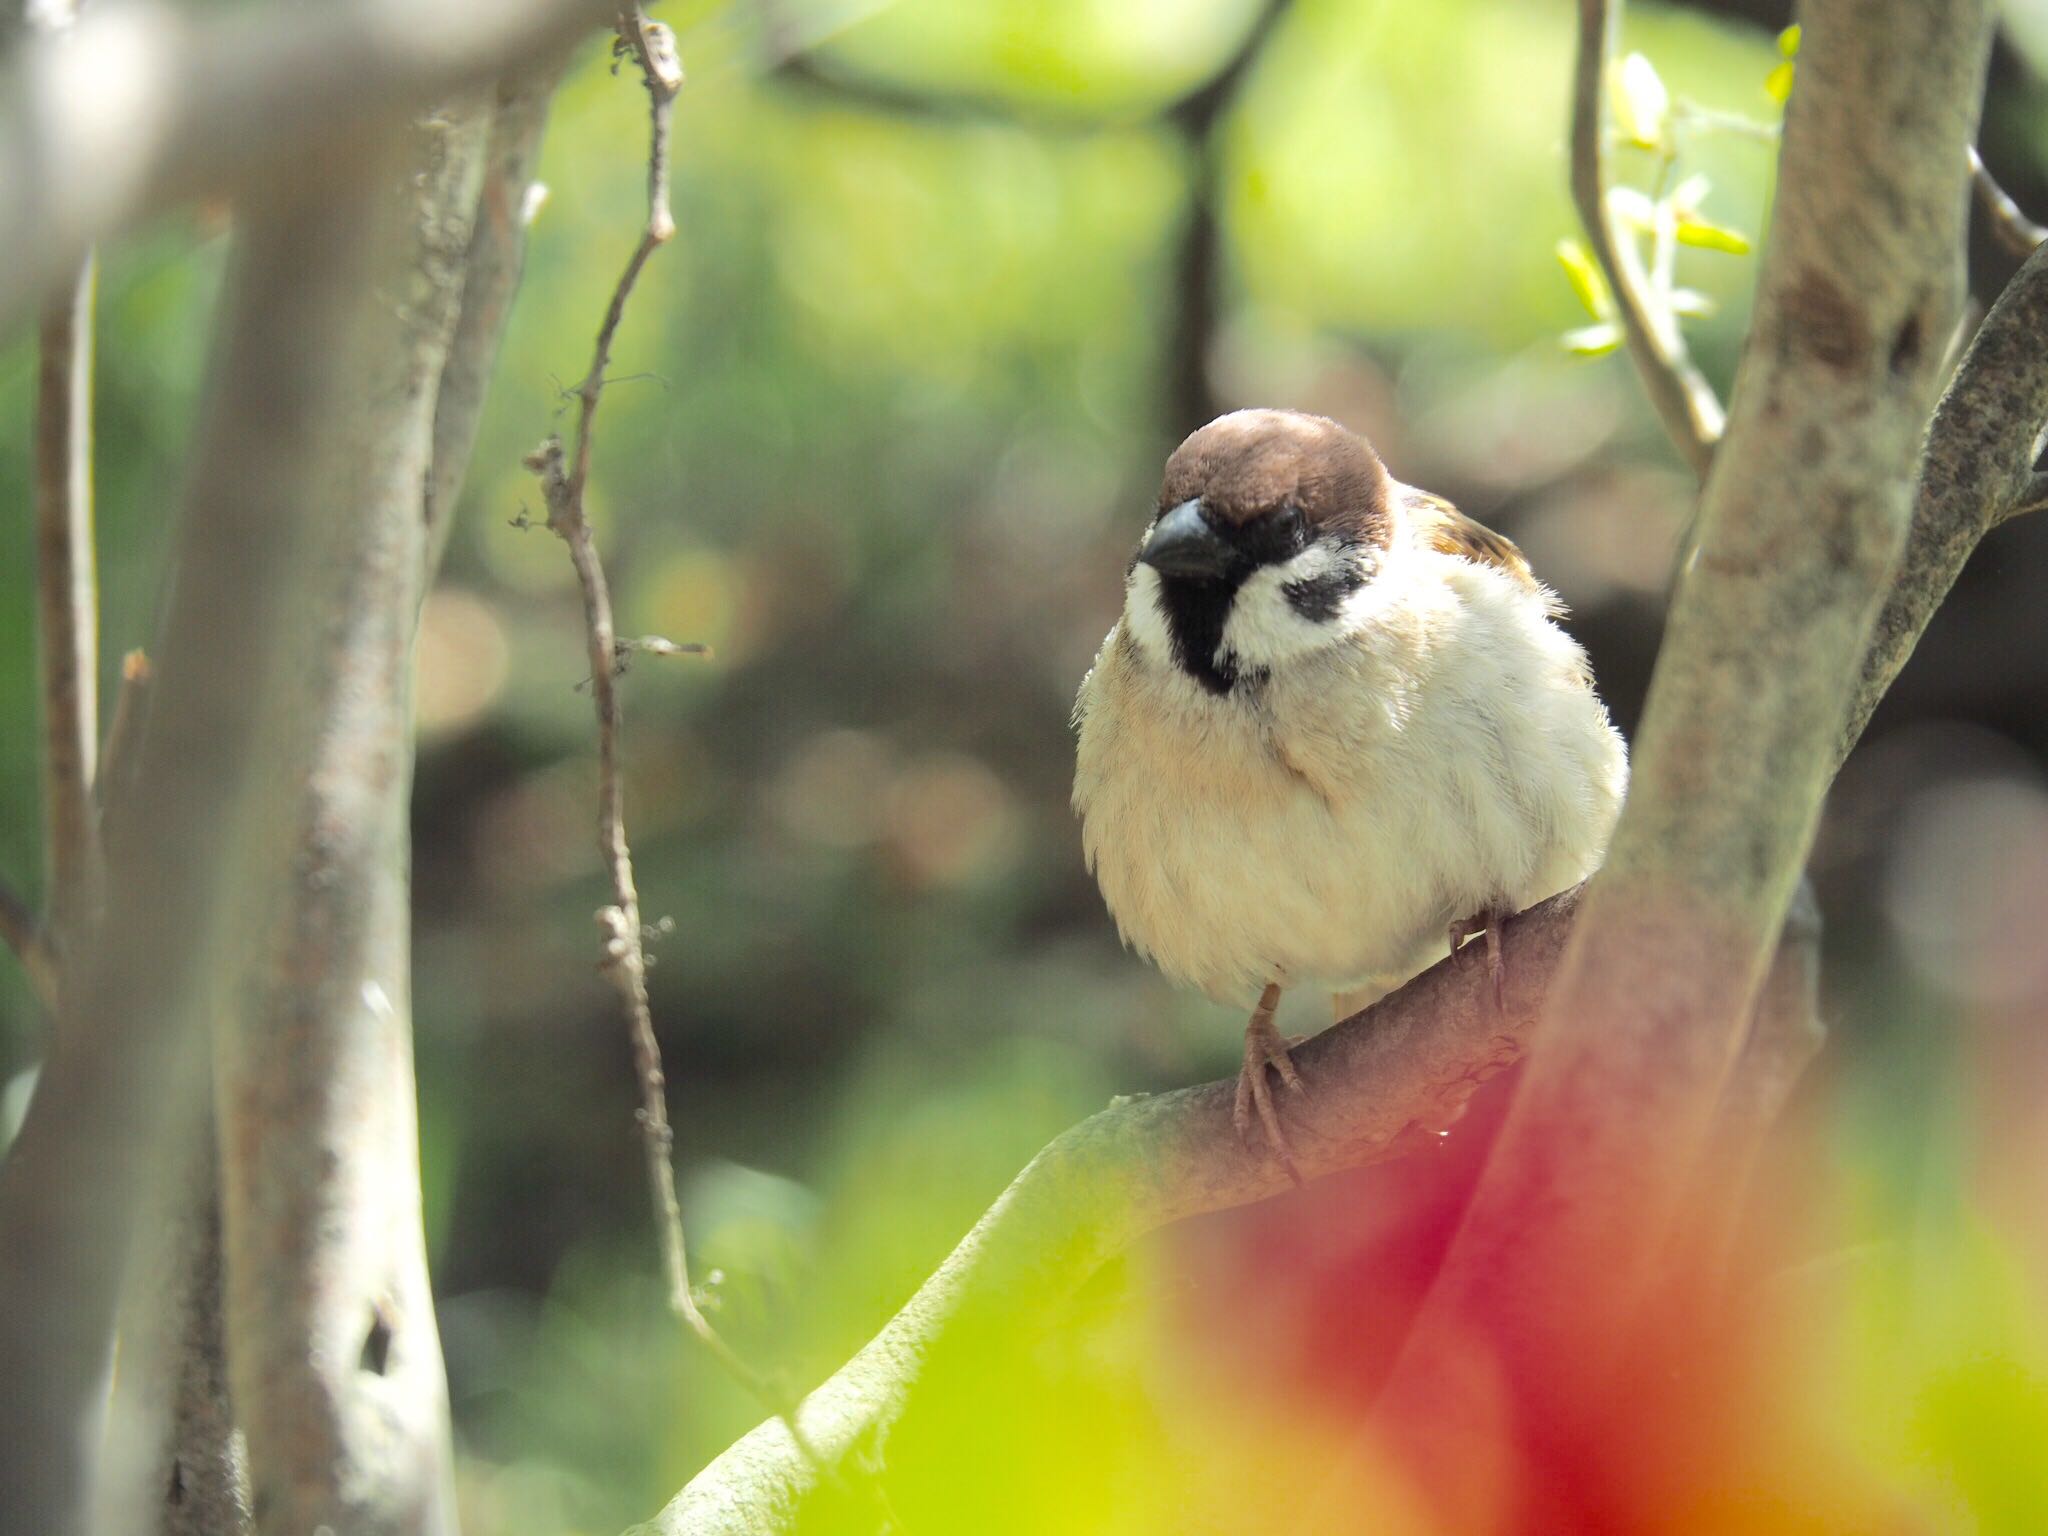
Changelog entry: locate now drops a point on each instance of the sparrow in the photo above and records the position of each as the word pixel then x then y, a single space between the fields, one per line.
pixel 1336 731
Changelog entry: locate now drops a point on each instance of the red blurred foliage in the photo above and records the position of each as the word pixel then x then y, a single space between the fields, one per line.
pixel 1708 1424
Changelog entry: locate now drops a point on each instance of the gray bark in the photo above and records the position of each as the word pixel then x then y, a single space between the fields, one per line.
pixel 1802 521
pixel 1975 473
pixel 334 1358
pixel 141 991
pixel 175 1408
pixel 175 1462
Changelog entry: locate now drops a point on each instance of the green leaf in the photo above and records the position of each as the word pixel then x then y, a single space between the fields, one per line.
pixel 1642 105
pixel 1694 230
pixel 1788 41
pixel 1778 83
pixel 1592 340
pixel 1586 279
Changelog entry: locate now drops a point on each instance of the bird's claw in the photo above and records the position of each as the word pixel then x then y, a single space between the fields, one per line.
pixel 1264 1047
pixel 1487 923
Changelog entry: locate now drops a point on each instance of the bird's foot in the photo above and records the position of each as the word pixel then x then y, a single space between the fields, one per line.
pixel 1488 923
pixel 1263 1048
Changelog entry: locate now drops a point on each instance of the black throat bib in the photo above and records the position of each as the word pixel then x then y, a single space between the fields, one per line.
pixel 1196 610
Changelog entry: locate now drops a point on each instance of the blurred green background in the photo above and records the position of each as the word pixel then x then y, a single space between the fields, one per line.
pixel 952 278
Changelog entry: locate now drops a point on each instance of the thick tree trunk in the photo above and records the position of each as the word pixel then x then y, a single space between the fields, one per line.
pixel 334 1358
pixel 1802 522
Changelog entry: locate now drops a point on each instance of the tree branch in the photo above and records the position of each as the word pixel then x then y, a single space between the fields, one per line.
pixel 496 260
pixel 2032 498
pixel 173 1390
pixel 335 1361
pixel 1801 522
pixel 1975 472
pixel 625 955
pixel 563 480
pixel 229 706
pixel 1384 1081
pixel 2016 232
pixel 1683 399
pixel 143 105
pixel 24 935
pixel 116 774
pixel 67 602
pixel 1785 1035
pixel 176 1464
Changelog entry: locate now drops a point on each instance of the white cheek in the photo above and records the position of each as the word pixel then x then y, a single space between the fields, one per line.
pixel 1264 628
pixel 1144 619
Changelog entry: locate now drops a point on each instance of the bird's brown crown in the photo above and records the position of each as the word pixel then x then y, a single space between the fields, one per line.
pixel 1251 464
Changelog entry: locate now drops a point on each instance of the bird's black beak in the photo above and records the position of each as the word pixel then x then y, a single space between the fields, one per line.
pixel 1183 544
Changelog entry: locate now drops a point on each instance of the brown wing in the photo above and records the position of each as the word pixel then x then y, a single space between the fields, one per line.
pixel 1443 527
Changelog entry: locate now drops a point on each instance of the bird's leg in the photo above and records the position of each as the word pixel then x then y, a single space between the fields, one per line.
pixel 1487 922
pixel 1264 1048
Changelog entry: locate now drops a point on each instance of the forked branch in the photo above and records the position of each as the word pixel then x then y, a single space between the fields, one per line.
pixel 1801 527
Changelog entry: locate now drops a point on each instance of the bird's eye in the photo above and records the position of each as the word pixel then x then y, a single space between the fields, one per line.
pixel 1293 527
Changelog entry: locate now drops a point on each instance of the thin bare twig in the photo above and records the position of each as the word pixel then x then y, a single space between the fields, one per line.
pixel 117 757
pixel 1685 402
pixel 563 477
pixel 2018 233
pixel 67 586
pixel 24 935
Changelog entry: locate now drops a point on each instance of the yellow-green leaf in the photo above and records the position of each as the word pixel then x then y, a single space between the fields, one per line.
pixel 1642 106
pixel 1586 279
pixel 1778 83
pixel 1693 230
pixel 1592 340
pixel 1687 196
pixel 1788 41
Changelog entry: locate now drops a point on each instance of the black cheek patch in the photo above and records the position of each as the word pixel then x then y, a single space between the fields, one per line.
pixel 1317 598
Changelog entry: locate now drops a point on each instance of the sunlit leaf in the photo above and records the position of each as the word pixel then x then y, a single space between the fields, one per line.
pixel 1691 302
pixel 1586 278
pixel 1788 41
pixel 1642 105
pixel 1693 230
pixel 1592 340
pixel 1778 83
pixel 1690 193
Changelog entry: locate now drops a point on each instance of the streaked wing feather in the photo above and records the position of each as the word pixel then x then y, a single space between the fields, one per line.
pixel 1447 529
